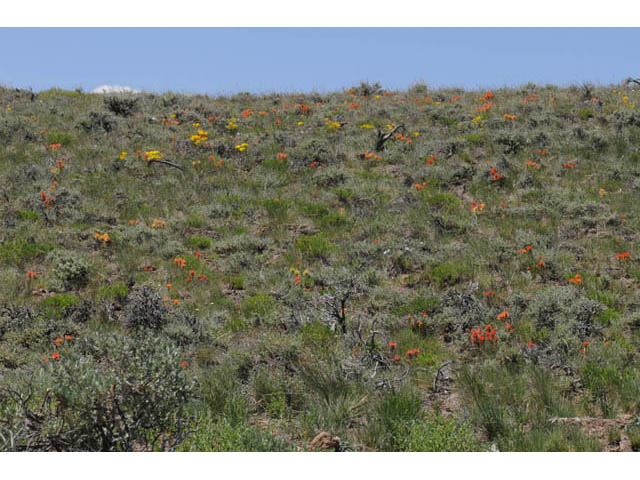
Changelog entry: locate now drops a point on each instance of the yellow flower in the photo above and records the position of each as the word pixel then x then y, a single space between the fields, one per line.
pixel 157 223
pixel 603 192
pixel 416 134
pixel 153 155
pixel 300 124
pixel 123 155
pixel 196 124
pixel 366 125
pixel 242 147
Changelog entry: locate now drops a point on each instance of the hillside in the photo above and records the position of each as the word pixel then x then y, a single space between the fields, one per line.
pixel 244 273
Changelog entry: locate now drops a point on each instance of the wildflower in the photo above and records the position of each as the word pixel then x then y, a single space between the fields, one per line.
pixel 247 113
pixel 123 155
pixel 179 261
pixel 53 146
pixel 431 159
pixel 198 254
pixel 504 314
pixel 366 126
pixel 184 364
pixel 488 95
pixel 511 117
pixel 621 256
pixel 530 344
pixel 304 109
pixel 242 147
pixel 31 274
pixel 104 237
pixel 602 192
pixel 396 358
pixel 569 164
pixel 176 301
pixel 576 279
pixel 59 341
pixel 476 206
pixel 157 223
pixel 530 163
pixel 489 293
pixel 56 356
pixel 392 345
pixel 153 155
pixel 282 156
pixel 46 359
pixel 68 337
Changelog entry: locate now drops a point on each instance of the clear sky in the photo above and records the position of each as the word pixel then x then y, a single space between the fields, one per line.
pixel 259 60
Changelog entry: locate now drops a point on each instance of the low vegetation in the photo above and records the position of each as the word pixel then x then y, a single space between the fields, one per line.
pixel 427 270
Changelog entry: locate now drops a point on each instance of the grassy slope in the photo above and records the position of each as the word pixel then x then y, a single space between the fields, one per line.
pixel 258 356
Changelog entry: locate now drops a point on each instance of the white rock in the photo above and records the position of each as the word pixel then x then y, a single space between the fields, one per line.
pixel 113 89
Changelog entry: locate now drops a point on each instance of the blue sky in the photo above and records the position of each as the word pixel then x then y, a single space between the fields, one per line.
pixel 229 60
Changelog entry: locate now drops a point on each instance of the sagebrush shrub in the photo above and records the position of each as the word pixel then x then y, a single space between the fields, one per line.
pixel 145 309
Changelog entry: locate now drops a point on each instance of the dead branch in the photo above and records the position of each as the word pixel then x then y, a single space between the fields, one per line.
pixel 165 162
pixel 383 137
pixel 438 373
pixel 632 80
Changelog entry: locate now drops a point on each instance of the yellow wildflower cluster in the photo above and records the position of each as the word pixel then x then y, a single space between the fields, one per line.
pixel 477 120
pixel 242 147
pixel 200 137
pixel 232 125
pixel 366 125
pixel 331 124
pixel 157 223
pixel 123 155
pixel 104 237
pixel 153 155
pixel 624 98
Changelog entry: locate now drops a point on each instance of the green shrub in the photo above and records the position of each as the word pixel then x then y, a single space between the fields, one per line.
pixel 69 269
pixel 199 242
pixel 394 415
pixel 29 215
pixel 108 393
pixel 63 138
pixel 315 246
pixel 19 252
pixel 118 291
pixel 449 273
pixel 437 434
pixel 57 306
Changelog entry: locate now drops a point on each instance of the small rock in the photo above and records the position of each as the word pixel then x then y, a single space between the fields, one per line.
pixel 325 441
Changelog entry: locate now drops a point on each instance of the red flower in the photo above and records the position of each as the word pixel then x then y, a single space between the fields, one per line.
pixel 620 256
pixel 198 254
pixel 488 95
pixel 530 344
pixel 392 345
pixel 184 363
pixel 56 356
